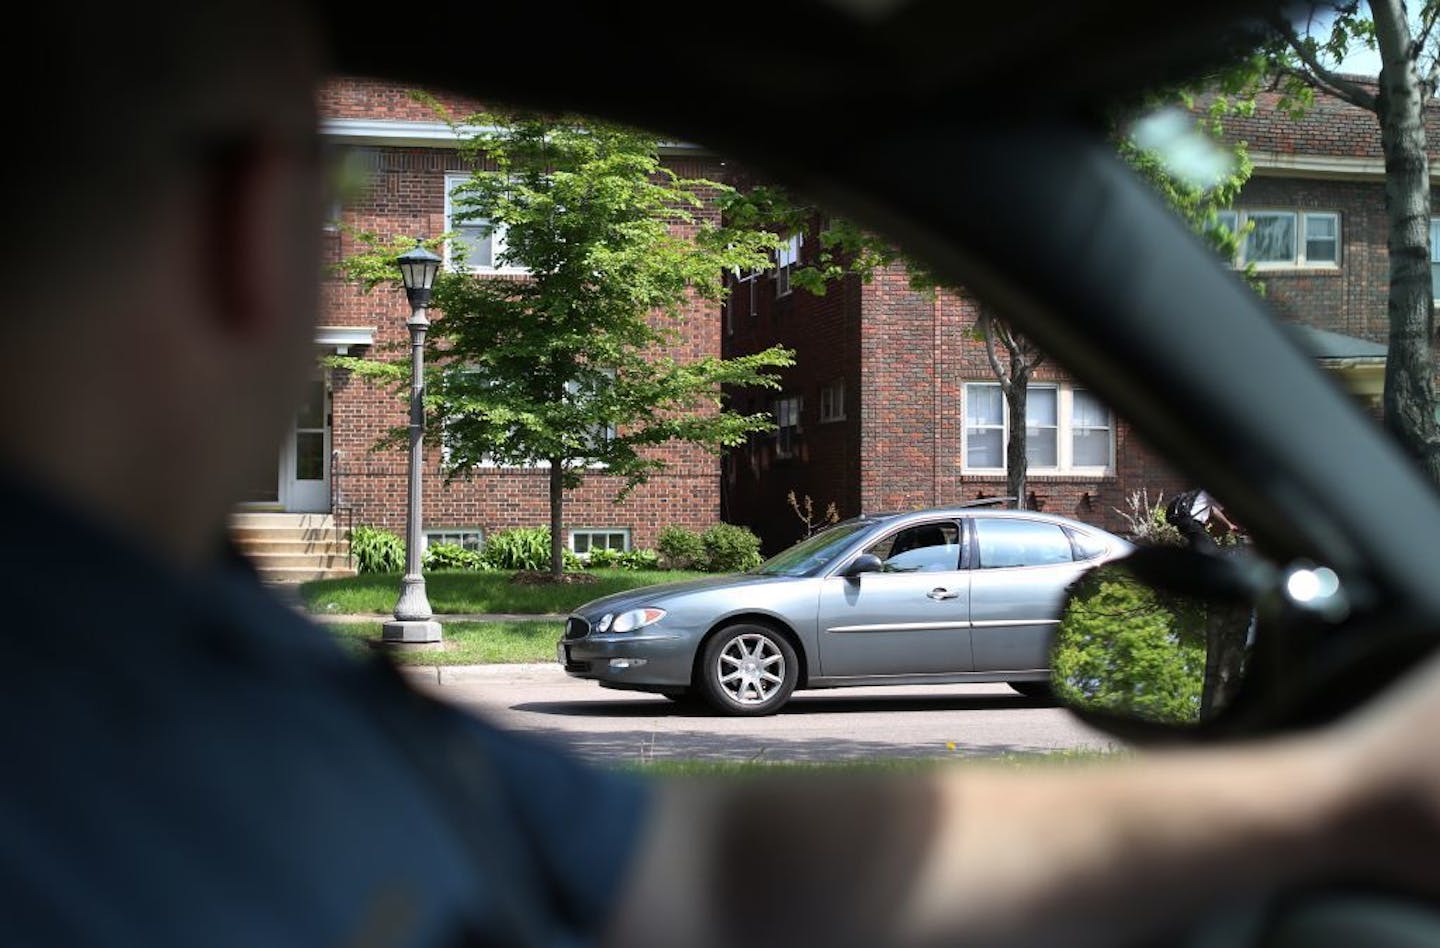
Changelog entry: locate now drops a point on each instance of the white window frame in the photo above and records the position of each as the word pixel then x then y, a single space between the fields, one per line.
pixel 787 407
pixel 591 532
pixel 1064 435
pixel 1434 261
pixel 1239 217
pixel 440 535
pixel 454 179
pixel 832 401
pixel 787 257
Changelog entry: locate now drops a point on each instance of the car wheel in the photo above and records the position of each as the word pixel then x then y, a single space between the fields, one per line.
pixel 748 670
pixel 1032 689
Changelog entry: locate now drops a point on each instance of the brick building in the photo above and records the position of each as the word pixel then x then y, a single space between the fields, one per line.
pixel 892 403
pixel 328 464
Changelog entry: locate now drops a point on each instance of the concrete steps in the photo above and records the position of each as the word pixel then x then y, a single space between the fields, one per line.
pixel 292 548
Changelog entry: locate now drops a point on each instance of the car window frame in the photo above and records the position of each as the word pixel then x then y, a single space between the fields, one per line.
pixel 974 544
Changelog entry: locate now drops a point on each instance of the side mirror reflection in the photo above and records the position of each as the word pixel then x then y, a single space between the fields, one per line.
pixel 1130 643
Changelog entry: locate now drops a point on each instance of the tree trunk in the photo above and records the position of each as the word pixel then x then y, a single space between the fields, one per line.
pixel 1016 463
pixel 1409 398
pixel 557 518
pixel 1227 629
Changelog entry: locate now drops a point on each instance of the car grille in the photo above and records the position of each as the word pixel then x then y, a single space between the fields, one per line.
pixel 576 628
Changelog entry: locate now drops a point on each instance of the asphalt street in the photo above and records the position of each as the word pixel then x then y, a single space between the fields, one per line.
pixel 843 724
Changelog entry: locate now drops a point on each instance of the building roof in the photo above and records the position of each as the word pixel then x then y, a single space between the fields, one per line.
pixel 1331 127
pixel 1325 345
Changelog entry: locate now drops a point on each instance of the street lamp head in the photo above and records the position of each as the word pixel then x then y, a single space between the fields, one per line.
pixel 418 267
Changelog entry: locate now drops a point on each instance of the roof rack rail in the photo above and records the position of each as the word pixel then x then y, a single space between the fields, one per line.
pixel 987 502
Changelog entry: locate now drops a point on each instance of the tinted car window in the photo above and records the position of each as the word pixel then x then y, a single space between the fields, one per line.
pixel 813 554
pixel 1001 543
pixel 923 548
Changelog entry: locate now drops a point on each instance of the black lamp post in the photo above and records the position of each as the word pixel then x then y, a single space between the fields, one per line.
pixel 414 622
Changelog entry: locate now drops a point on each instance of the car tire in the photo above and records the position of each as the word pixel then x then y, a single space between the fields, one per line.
pixel 748 670
pixel 1032 689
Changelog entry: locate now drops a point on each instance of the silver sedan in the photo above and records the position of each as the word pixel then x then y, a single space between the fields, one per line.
pixel 936 596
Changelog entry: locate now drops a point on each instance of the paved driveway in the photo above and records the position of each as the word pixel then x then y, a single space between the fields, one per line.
pixel 920 721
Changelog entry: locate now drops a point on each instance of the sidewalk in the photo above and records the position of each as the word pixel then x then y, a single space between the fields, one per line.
pixel 337 617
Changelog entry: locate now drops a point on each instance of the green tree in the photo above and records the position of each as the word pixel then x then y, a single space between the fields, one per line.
pixel 1196 198
pixel 566 365
pixel 1121 647
pixel 1304 58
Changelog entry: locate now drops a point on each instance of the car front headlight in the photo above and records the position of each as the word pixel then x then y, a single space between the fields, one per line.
pixel 603 625
pixel 636 619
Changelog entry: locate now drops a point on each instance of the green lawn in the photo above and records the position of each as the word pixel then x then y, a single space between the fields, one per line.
pixel 472 592
pixel 872 765
pixel 468 643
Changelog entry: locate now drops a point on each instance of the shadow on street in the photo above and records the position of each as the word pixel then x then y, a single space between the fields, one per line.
pixel 650 706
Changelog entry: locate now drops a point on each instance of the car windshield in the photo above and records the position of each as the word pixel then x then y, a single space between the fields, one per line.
pixel 810 556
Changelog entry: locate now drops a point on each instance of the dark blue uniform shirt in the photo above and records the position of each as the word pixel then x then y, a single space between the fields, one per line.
pixel 188 762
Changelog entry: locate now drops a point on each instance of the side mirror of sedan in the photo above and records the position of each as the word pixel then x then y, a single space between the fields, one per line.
pixel 864 563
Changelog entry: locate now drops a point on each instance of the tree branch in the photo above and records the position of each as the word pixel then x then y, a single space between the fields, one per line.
pixel 1427 24
pixel 987 327
pixel 1318 76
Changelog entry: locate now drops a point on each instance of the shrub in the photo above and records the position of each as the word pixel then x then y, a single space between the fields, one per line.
pixel 524 548
pixel 441 556
pixel 1125 648
pixel 1145 521
pixel 730 549
pixel 639 560
pixel 376 551
pixel 680 548
pixel 602 559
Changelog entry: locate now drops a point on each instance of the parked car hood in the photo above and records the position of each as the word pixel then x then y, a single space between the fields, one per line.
pixel 663 593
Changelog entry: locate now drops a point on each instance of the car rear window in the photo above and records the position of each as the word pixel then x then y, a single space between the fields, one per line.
pixel 1003 543
pixel 1087 546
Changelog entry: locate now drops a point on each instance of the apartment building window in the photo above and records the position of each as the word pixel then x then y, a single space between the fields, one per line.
pixel 609 538
pixel 786 259
pixel 1067 430
pixel 465 537
pixel 832 402
pixel 481 246
pixel 1435 256
pixel 742 295
pixel 1286 238
pixel 787 426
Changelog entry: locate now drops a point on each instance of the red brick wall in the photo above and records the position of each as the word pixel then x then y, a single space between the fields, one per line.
pixel 824 332
pixel 1350 299
pixel 919 351
pixel 406 196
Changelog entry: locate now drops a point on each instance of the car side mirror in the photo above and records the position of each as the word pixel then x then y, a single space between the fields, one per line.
pixel 864 563
pixel 1162 636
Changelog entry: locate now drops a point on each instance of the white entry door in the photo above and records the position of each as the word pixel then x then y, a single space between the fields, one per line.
pixel 305 456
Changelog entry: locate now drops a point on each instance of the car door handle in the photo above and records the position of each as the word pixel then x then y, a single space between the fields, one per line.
pixel 939 593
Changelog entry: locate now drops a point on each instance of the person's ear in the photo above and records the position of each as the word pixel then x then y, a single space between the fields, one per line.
pixel 250 208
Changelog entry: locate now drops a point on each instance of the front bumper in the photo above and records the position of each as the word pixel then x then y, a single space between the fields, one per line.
pixel 653 658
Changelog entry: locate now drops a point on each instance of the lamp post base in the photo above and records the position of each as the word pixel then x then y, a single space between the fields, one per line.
pixel 410 631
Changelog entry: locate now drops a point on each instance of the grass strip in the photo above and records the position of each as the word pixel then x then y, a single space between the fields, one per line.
pixel 467 643
pixel 474 592
pixel 668 767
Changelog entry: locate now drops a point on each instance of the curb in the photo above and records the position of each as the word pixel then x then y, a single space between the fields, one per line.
pixel 337 618
pixel 466 674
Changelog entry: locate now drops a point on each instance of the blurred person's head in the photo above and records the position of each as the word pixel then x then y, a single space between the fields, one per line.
pixel 163 254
